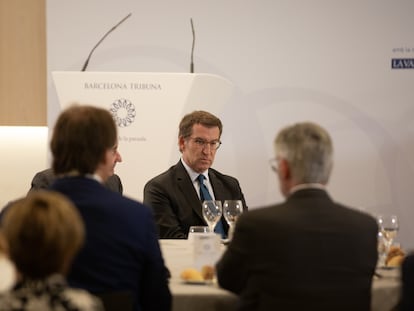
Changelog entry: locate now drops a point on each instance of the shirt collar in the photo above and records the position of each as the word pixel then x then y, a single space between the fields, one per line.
pixel 193 174
pixel 75 173
pixel 307 186
pixel 95 176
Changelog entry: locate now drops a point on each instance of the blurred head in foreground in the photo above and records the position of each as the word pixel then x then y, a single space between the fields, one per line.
pixel 44 231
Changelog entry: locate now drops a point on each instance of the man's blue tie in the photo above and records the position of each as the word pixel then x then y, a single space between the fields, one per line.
pixel 205 195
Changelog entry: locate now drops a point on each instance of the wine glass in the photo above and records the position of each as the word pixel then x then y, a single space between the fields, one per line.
pixel 388 228
pixel 232 209
pixel 212 211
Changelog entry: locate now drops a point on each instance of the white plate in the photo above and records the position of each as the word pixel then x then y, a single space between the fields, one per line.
pixel 196 282
pixel 389 267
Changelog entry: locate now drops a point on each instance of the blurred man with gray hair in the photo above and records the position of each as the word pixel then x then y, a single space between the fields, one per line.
pixel 309 252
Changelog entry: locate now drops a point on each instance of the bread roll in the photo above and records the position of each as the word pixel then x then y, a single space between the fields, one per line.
pixel 395 257
pixel 395 261
pixel 207 272
pixel 191 274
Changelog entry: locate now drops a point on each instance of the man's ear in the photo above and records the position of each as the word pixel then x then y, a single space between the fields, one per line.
pixel 284 169
pixel 181 142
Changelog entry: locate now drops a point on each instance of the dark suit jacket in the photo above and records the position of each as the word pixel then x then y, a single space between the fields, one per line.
pixel 121 252
pixel 308 253
pixel 407 275
pixel 176 204
pixel 43 179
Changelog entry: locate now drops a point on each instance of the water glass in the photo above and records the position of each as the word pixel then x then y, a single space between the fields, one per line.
pixel 197 230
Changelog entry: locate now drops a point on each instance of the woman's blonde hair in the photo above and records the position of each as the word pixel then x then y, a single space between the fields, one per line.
pixel 44 231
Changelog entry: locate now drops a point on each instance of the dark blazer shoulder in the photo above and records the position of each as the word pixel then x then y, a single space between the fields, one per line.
pixel 114 183
pixel 174 172
pixel 42 179
pixel 222 176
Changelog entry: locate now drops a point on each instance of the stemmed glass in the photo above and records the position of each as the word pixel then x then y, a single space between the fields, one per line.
pixel 232 209
pixel 212 211
pixel 388 229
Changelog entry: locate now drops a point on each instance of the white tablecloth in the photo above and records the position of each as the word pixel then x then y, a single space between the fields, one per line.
pixel 178 256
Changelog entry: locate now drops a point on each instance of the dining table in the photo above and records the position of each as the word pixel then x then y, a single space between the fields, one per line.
pixel 208 296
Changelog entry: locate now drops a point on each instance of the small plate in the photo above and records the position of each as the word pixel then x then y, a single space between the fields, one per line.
pixel 196 282
pixel 388 267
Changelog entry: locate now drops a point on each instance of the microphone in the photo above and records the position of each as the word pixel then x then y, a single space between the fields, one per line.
pixel 192 48
pixel 100 41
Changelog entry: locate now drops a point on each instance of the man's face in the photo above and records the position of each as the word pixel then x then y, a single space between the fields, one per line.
pixel 197 155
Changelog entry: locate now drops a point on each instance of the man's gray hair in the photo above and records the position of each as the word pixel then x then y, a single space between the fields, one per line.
pixel 307 147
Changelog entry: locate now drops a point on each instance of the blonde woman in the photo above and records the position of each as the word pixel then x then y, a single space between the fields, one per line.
pixel 44 231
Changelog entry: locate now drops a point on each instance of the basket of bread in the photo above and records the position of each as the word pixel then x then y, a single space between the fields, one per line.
pixel 205 275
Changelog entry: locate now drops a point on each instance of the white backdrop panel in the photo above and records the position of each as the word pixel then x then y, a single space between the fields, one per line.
pixel 326 61
pixel 147 108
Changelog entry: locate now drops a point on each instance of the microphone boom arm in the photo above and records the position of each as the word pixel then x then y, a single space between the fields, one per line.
pixel 192 48
pixel 103 38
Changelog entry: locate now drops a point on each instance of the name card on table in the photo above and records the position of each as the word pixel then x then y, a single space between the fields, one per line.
pixel 206 249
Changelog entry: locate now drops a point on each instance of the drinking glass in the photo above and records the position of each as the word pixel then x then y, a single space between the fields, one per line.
pixel 212 211
pixel 232 209
pixel 197 230
pixel 388 228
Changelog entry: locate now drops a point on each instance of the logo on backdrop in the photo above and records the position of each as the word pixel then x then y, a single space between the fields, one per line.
pixel 123 112
pixel 402 63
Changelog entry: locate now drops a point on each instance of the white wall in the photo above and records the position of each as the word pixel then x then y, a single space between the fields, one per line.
pixel 325 61
pixel 23 153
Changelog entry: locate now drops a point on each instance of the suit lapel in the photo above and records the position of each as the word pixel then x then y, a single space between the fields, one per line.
pixel 217 185
pixel 187 191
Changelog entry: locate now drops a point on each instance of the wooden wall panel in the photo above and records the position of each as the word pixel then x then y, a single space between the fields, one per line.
pixel 23 62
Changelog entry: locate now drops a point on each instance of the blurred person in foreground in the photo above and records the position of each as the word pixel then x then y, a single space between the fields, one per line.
pixel 407 280
pixel 309 252
pixel 121 253
pixel 175 194
pixel 43 232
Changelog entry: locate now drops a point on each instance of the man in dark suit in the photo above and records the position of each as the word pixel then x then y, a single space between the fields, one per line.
pixel 175 194
pixel 43 179
pixel 308 253
pixel 121 253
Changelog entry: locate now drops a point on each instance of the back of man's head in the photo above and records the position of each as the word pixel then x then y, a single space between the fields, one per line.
pixel 80 138
pixel 307 147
